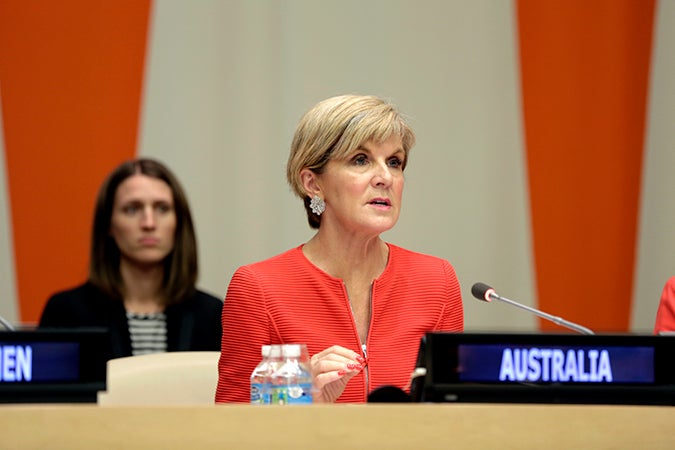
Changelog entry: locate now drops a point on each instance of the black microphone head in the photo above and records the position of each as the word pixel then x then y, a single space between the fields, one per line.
pixel 388 394
pixel 482 291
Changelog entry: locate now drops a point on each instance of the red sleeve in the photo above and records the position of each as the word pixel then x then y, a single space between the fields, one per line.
pixel 453 315
pixel 245 330
pixel 665 315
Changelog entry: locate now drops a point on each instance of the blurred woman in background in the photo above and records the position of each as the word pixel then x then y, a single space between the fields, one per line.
pixel 142 270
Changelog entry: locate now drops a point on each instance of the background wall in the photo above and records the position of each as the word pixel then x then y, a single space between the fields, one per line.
pixel 215 91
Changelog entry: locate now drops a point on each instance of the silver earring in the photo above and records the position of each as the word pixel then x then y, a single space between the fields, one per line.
pixel 317 205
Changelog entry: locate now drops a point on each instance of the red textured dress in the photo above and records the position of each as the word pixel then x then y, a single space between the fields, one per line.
pixel 286 299
pixel 665 315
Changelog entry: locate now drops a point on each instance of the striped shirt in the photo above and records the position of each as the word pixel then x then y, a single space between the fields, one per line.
pixel 148 333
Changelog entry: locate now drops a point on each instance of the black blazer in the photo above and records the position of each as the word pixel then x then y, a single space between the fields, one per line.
pixel 192 325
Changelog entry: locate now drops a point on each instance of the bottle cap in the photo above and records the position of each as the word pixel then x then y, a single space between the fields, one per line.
pixel 275 351
pixel 294 350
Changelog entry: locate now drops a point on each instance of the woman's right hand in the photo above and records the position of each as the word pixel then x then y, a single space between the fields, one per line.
pixel 332 369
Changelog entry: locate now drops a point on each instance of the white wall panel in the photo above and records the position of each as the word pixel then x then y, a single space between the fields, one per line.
pixel 8 298
pixel 228 80
pixel 656 243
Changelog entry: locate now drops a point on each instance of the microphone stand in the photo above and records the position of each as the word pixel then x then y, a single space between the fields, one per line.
pixel 555 319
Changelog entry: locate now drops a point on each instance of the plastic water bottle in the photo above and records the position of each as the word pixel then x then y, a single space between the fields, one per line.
pixel 292 381
pixel 260 377
pixel 273 363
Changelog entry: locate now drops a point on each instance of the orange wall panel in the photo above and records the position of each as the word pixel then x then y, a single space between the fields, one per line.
pixel 584 73
pixel 71 78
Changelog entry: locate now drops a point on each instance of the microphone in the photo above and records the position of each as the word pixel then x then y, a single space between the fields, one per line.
pixel 485 293
pixel 388 394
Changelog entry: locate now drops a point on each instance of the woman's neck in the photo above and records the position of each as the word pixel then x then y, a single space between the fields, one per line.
pixel 349 259
pixel 142 287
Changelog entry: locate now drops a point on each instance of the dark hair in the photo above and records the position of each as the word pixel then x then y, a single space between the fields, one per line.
pixel 180 265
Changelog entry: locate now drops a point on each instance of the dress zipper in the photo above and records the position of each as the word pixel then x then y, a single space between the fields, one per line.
pixel 365 369
pixel 363 345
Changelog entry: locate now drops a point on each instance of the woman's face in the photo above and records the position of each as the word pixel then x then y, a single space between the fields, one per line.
pixel 363 191
pixel 143 221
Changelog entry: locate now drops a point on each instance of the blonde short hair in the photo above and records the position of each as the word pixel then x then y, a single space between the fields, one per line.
pixel 333 128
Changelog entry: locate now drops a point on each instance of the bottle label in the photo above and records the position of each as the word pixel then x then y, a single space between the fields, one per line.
pixel 298 394
pixel 278 395
pixel 257 396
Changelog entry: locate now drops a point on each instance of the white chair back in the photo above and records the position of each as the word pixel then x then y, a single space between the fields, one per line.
pixel 162 379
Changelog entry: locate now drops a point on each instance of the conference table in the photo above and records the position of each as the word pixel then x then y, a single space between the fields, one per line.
pixel 368 426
